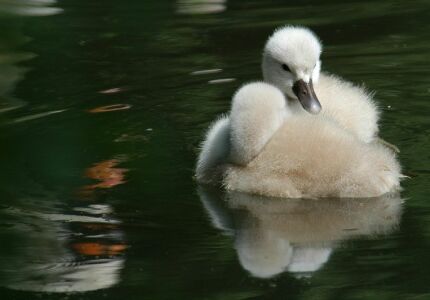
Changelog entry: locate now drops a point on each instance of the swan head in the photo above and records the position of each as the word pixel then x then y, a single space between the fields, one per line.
pixel 291 61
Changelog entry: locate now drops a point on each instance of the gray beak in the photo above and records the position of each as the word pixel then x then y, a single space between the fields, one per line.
pixel 306 94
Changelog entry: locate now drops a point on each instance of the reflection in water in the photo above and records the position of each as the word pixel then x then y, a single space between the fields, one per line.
pixel 10 73
pixel 75 249
pixel 205 72
pixel 106 173
pixel 222 80
pixel 61 252
pixel 29 7
pixel 37 116
pixel 109 108
pixel 273 235
pixel 200 6
pixel 112 91
pixel 10 39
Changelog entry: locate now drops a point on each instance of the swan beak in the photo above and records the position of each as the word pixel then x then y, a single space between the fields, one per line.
pixel 306 94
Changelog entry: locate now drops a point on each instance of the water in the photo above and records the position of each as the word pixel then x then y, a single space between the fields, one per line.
pixel 102 108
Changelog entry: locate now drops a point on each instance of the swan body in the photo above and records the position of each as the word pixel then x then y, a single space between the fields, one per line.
pixel 300 133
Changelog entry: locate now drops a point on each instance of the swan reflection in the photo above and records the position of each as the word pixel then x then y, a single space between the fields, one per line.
pixel 51 251
pixel 274 235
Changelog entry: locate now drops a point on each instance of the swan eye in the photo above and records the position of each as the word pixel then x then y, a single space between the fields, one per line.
pixel 286 68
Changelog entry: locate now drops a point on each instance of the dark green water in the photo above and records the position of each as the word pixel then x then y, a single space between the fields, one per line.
pixel 98 204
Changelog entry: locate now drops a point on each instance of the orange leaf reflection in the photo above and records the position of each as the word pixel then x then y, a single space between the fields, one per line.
pixel 98 249
pixel 106 173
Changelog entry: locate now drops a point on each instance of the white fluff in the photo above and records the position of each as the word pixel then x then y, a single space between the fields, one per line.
pixel 250 128
pixel 215 151
pixel 269 145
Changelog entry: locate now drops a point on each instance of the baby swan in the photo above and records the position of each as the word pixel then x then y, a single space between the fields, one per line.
pixel 270 145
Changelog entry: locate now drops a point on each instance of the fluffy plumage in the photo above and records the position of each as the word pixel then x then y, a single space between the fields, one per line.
pixel 269 145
